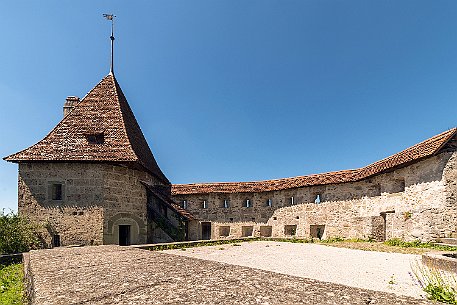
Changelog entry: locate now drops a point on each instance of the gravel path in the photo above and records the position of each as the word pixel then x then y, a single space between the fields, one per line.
pixel 388 272
pixel 123 275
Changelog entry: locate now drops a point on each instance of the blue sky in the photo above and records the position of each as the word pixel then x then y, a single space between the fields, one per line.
pixel 237 90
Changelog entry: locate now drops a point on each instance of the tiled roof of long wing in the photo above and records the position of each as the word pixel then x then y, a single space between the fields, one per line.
pixel 414 153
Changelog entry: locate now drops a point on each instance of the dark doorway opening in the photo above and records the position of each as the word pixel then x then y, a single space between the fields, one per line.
pixel 317 231
pixel 56 240
pixel 206 230
pixel 124 235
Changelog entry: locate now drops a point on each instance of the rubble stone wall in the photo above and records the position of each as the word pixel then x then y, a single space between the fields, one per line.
pixel 96 198
pixel 414 202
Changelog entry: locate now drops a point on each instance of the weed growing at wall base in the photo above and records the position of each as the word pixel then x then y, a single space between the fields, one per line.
pixel 439 285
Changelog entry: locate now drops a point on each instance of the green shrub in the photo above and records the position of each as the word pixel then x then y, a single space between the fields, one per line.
pixel 17 234
pixel 11 284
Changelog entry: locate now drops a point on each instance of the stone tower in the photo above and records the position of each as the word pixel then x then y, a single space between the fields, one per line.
pixel 90 179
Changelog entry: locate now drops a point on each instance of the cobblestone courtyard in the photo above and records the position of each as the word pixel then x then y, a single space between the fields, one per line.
pixel 125 275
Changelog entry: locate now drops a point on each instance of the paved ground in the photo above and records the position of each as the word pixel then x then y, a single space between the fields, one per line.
pixel 388 272
pixel 116 275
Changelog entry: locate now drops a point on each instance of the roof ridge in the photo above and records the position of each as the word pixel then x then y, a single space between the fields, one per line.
pixel 118 106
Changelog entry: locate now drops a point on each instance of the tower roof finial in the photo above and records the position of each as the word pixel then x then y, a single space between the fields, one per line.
pixel 111 17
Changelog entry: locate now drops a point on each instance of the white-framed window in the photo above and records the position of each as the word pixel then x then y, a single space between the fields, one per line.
pixel 205 204
pixel 292 200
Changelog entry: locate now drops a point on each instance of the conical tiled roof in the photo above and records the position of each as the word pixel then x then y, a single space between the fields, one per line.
pixel 103 111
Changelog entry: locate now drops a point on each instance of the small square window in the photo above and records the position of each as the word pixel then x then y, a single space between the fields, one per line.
pixel 57 191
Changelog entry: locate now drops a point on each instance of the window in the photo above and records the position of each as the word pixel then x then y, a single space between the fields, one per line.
pixel 204 204
pixel 224 231
pixel 56 191
pixel 290 230
pixel 292 201
pixel 225 204
pixel 269 202
pixel 265 231
pixel 247 231
pixel 318 199
pixel 247 203
pixel 95 138
pixel 184 204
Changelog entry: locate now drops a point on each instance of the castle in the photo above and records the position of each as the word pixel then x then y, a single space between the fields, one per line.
pixel 94 180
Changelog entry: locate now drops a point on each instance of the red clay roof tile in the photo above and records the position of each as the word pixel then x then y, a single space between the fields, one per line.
pixel 415 153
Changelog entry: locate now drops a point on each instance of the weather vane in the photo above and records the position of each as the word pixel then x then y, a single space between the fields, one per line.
pixel 111 17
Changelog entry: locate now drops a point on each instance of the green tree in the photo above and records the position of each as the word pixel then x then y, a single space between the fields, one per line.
pixel 17 234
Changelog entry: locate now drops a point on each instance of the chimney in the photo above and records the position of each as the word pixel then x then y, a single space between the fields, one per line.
pixel 70 102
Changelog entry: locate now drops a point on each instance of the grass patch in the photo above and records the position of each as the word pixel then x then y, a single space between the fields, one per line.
pixel 392 245
pixel 396 242
pixel 11 284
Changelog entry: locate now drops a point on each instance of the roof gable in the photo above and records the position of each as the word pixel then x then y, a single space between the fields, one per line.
pixel 103 111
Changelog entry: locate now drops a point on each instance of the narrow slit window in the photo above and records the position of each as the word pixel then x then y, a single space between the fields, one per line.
pixel 205 204
pixel 184 204
pixel 247 203
pixel 292 200
pixel 226 204
pixel 269 202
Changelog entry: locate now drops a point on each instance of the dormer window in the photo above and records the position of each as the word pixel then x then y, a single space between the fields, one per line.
pixel 95 138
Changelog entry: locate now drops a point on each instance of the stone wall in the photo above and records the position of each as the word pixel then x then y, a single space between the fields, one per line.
pixel 414 202
pixel 96 198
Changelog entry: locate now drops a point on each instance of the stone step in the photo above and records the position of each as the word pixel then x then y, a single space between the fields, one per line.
pixel 449 241
pixel 444 244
